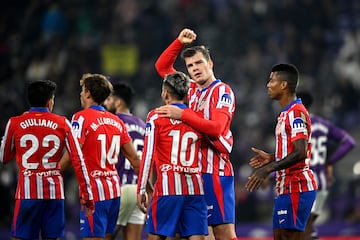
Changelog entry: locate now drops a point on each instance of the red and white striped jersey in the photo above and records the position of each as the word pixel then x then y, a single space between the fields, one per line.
pixel 173 148
pixel 37 139
pixel 293 123
pixel 216 97
pixel 101 135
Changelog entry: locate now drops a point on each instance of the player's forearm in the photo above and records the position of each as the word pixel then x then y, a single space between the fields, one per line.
pixel 212 128
pixel 164 64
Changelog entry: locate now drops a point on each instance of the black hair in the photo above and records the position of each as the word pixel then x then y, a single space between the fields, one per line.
pixel 306 98
pixel 124 91
pixel 288 73
pixel 40 92
pixel 177 84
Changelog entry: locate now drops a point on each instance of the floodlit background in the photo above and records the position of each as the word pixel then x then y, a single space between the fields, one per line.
pixel 61 40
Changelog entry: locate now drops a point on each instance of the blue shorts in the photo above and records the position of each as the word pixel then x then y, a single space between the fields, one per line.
pixel 220 198
pixel 103 221
pixel 32 216
pixel 185 215
pixel 291 211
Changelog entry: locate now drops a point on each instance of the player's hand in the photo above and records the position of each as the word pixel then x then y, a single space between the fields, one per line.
pixel 169 111
pixel 260 159
pixel 89 206
pixel 256 179
pixel 187 36
pixel 143 202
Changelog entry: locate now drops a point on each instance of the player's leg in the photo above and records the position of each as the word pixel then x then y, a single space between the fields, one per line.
pixel 220 198
pixel 290 214
pixel 132 231
pixel 193 221
pixel 310 231
pixel 101 225
pixel 164 214
pixel 135 219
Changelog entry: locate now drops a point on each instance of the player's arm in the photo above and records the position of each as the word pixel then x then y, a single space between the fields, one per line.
pixel 259 176
pixel 130 153
pixel 345 143
pixel 7 149
pixel 74 156
pixel 213 128
pixel 165 63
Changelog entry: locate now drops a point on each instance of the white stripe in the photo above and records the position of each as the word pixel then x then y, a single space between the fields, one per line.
pixel 165 183
pixel 150 138
pixel 52 189
pixel 61 182
pixel 27 187
pixel 190 184
pixel 210 159
pixel 178 185
pixel 200 183
pixel 39 187
pixel 100 189
pixel 110 187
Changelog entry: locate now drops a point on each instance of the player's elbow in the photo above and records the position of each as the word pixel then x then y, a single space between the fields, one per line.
pixel 160 70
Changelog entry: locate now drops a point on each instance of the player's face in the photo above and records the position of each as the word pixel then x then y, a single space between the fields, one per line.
pixel 83 97
pixel 275 86
pixel 199 69
pixel 109 104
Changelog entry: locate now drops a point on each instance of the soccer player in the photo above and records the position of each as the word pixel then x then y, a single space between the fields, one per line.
pixel 212 106
pixel 101 135
pixel 37 139
pixel 325 137
pixel 178 204
pixel 131 219
pixel 295 182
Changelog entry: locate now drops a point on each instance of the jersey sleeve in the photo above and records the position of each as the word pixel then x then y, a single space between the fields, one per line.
pixel 299 123
pixel 212 128
pixel 345 142
pixel 148 153
pixel 7 149
pixel 78 163
pixel 165 63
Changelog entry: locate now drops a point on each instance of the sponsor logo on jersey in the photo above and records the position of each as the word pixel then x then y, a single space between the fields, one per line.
pixel 147 128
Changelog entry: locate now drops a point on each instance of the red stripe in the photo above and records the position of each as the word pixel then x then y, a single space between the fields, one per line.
pixel 294 198
pixel 16 213
pixel 91 224
pixel 154 207
pixel 218 193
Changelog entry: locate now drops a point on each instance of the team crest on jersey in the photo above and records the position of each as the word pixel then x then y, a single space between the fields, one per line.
pixel 148 128
pixel 298 125
pixel 225 100
pixel 77 126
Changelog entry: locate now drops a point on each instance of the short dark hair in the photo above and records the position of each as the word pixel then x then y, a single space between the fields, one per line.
pixel 191 51
pixel 98 85
pixel 40 92
pixel 306 98
pixel 124 91
pixel 289 73
pixel 177 84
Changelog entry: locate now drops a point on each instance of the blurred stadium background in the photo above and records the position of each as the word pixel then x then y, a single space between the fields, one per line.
pixel 61 40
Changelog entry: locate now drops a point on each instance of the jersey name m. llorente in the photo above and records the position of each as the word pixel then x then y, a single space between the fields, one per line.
pixel 136 129
pixel 101 135
pixel 173 148
pixel 216 97
pixel 37 139
pixel 293 123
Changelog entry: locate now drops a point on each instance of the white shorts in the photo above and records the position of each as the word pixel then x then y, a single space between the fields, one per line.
pixel 129 211
pixel 320 199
